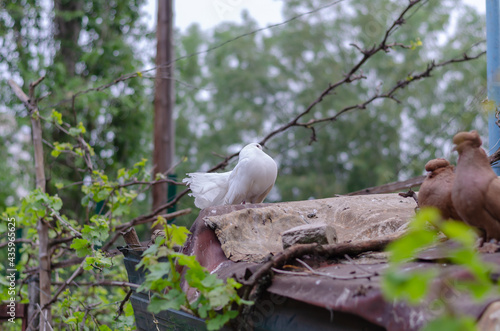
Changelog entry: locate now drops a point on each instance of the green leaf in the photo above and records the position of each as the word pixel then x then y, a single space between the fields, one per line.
pixel 460 232
pixel 159 176
pixel 488 106
pixel 102 195
pixel 159 221
pixel 398 284
pixel 122 173
pixel 81 127
pixel 158 271
pixel 56 203
pixel 141 163
pixel 419 236
pixel 55 153
pixel 451 323
pixel 405 248
pixel 174 299
pixel 56 117
pixel 98 232
pixel 82 247
pixel 219 320
pixel 178 234
pixel 121 210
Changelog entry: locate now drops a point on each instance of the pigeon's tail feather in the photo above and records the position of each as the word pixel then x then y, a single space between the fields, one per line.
pixel 208 189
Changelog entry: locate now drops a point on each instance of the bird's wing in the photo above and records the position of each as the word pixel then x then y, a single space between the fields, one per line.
pixel 492 198
pixel 208 189
pixel 239 183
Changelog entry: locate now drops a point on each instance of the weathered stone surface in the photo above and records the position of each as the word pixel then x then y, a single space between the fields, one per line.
pixel 252 233
pixel 320 233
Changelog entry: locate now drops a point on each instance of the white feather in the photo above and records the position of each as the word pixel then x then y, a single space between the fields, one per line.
pixel 250 181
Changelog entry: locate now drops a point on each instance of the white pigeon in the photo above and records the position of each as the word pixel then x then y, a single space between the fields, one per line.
pixel 250 181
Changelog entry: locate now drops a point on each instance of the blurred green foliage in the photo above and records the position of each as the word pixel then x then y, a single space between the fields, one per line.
pixel 401 282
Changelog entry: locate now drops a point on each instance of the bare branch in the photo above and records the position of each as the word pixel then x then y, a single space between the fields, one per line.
pixel 18 240
pixel 495 157
pixel 68 281
pixel 391 187
pixel 122 304
pixel 101 283
pixel 60 219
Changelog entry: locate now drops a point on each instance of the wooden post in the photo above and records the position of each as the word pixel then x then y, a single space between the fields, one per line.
pixel 43 230
pixel 131 238
pixel 164 130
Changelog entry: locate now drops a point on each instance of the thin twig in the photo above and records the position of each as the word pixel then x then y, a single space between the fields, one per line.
pixel 356 265
pixel 102 283
pixel 410 194
pixel 56 214
pixel 68 281
pixel 122 304
pixel 44 317
pixel 18 240
pixel 324 274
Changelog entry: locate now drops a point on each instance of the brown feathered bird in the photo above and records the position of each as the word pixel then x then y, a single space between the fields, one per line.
pixel 436 188
pixel 476 191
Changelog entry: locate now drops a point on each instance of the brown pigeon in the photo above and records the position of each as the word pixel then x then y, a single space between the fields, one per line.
pixel 436 188
pixel 476 191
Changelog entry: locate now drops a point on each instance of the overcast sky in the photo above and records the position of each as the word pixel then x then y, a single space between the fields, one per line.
pixel 209 13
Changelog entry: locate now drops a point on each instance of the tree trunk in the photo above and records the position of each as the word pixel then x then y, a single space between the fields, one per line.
pixel 67 32
pixel 164 99
pixel 43 230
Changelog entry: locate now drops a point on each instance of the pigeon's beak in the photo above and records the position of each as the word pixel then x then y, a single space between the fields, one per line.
pixel 454 149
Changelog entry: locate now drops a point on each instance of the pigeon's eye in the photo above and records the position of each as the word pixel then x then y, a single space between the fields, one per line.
pixel 259 146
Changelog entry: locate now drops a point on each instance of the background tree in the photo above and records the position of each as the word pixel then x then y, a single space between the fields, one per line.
pixel 256 83
pixel 78 45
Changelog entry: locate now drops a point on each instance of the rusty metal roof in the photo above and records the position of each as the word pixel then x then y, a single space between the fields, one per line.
pixel 301 297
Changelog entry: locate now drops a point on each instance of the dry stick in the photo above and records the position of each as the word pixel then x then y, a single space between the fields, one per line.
pixel 391 187
pixel 495 156
pixel 318 273
pixel 122 304
pixel 328 251
pixel 44 317
pixel 358 266
pixel 69 262
pixel 315 272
